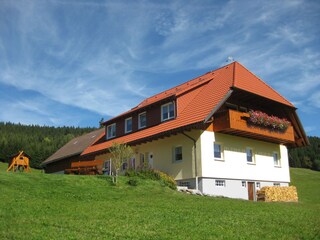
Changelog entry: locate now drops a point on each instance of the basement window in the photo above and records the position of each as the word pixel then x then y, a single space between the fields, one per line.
pixel 184 184
pixel 220 183
pixel 111 131
pixel 167 111
pixel 276 184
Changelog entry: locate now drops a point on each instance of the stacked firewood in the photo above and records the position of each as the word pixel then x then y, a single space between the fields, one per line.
pixel 278 194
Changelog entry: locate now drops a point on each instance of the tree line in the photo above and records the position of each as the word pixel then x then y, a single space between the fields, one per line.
pixel 306 157
pixel 39 142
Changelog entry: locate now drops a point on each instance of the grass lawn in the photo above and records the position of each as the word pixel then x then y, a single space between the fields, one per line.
pixel 41 206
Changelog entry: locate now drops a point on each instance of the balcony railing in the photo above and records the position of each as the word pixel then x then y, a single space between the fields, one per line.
pixel 234 122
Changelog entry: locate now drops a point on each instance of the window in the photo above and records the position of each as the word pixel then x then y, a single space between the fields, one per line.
pixel 132 163
pixel 107 167
pixel 128 125
pixel 167 111
pixel 184 184
pixel 217 151
pixel 276 160
pixel 258 185
pixel 250 158
pixel 244 184
pixel 220 183
pixel 124 166
pixel 276 184
pixel 178 153
pixel 142 120
pixel 111 131
pixel 142 163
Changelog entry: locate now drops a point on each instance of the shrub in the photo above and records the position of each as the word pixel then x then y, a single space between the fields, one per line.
pixel 148 173
pixel 133 181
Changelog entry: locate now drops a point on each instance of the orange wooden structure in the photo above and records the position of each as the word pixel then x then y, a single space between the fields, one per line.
pixel 234 122
pixel 20 162
pixel 93 167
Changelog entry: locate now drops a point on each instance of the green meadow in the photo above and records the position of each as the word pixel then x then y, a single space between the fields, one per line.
pixel 41 206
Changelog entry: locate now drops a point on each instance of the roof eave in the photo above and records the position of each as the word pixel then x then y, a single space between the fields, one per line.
pixel 218 106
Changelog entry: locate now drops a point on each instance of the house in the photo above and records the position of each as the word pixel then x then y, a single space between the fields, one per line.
pixel 205 134
pixel 70 152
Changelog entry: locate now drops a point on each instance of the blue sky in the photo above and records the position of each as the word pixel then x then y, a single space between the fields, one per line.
pixel 74 62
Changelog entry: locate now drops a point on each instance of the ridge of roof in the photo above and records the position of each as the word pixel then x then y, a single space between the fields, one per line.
pixel 205 94
pixel 174 91
pixel 241 77
pixel 75 146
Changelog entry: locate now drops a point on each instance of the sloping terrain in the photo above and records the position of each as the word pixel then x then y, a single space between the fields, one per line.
pixel 41 206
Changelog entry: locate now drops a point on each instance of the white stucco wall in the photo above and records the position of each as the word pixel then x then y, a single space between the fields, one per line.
pixel 234 164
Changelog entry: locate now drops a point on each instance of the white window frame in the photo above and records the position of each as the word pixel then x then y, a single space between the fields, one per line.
pixel 110 130
pixel 244 184
pixel 252 156
pixel 167 105
pixel 139 118
pixel 221 152
pixel 220 183
pixel 175 155
pixel 258 185
pixel 276 162
pixel 276 184
pixel 126 126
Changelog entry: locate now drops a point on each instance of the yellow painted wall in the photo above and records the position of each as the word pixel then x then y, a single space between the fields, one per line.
pixel 162 151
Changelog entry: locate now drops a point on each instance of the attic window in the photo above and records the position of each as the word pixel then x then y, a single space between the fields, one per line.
pixel 142 120
pixel 167 111
pixel 111 131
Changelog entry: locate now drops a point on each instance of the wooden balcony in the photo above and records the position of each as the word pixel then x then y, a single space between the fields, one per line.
pixel 235 123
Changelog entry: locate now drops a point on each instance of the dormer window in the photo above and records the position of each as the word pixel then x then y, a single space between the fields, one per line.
pixel 128 125
pixel 142 121
pixel 111 131
pixel 167 111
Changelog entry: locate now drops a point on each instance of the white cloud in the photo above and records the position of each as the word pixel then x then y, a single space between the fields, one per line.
pixel 96 55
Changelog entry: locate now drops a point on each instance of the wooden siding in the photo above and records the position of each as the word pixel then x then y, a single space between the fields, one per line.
pixel 234 122
pixel 65 163
pixel 153 113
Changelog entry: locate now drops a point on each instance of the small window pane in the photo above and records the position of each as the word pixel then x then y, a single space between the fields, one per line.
pixel 249 155
pixel 128 125
pixel 142 120
pixel 178 153
pixel 217 150
pixel 171 110
pixel 220 183
pixel 111 131
pixel 276 159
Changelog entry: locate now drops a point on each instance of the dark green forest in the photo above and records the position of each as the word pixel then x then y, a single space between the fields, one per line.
pixel 39 142
pixel 306 157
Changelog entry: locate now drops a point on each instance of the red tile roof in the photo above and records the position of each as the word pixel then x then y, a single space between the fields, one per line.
pixel 195 101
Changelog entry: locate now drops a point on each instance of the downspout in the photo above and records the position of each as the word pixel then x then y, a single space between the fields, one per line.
pixel 195 158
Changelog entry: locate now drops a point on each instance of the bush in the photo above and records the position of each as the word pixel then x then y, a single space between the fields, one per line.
pixel 133 181
pixel 148 173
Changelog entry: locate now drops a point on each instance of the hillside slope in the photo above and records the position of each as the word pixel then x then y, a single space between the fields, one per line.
pixel 41 206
